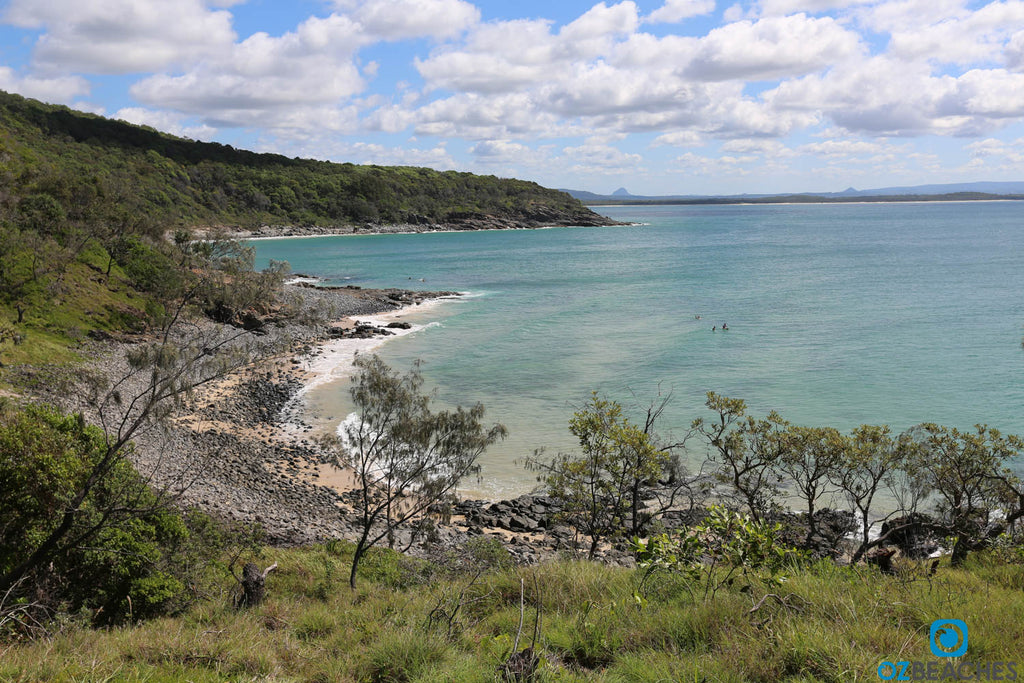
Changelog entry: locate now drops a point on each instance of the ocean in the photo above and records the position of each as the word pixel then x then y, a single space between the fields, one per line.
pixel 837 314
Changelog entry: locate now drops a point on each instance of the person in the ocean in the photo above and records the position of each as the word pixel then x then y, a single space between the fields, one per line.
pixel 725 326
pixel 714 328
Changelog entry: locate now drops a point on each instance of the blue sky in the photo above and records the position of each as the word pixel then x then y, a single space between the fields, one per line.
pixel 660 96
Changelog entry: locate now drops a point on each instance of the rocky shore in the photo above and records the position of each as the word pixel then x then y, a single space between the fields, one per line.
pixel 542 217
pixel 238 451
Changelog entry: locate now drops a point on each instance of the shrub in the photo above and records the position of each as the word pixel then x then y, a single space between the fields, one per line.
pixel 714 552
pixel 128 555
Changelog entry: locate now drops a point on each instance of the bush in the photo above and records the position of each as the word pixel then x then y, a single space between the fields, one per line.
pixel 129 554
pixel 712 554
pixel 148 269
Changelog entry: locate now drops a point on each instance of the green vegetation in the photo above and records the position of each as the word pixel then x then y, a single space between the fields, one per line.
pixel 621 479
pixel 965 481
pixel 61 164
pixel 598 623
pixel 109 548
pixel 87 201
pixel 79 527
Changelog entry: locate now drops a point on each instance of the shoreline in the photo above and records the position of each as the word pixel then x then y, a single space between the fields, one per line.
pixel 267 468
pixel 332 360
pixel 475 224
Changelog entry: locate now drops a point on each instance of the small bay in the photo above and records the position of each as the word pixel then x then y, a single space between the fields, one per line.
pixel 837 314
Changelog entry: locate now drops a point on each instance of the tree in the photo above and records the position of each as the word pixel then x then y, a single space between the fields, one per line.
pixel 745 450
pixel 8 333
pixel 604 485
pixel 713 552
pixel 976 497
pixel 809 461
pixel 872 459
pixel 652 497
pixel 405 457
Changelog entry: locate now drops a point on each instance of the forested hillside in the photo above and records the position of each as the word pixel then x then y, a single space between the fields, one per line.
pixel 87 166
pixel 86 203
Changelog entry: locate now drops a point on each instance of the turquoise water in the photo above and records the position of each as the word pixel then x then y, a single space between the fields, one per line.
pixel 837 315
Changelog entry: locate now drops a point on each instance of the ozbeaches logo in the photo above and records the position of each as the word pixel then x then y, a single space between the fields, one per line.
pixel 947 639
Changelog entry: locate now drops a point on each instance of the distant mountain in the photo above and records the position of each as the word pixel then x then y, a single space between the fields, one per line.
pixel 949 188
pixel 975 190
pixel 583 195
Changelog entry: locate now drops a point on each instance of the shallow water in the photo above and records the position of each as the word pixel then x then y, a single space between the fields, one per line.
pixel 837 315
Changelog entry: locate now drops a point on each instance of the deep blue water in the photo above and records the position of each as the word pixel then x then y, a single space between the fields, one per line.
pixel 838 315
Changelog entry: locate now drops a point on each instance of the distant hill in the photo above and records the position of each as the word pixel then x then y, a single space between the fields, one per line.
pixel 1003 188
pixel 951 191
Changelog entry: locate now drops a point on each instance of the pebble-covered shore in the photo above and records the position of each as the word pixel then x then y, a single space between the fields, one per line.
pixel 229 452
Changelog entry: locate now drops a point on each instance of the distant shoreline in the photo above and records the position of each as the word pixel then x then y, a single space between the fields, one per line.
pixel 480 224
pixel 956 197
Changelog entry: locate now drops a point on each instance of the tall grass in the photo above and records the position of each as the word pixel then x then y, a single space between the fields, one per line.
pixel 826 623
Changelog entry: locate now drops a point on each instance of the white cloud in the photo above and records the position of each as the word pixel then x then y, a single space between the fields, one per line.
pixel 675 11
pixel 168 122
pixel 1003 152
pixel 600 160
pixel 901 15
pixel 841 148
pixel 508 154
pixel 474 117
pixel 269 81
pixel 955 35
pixel 993 93
pixel 592 34
pixel 1014 52
pixel 756 146
pixel 697 165
pixel 772 48
pixel 784 7
pixel 400 19
pixel 679 138
pixel 121 36
pixel 883 96
pixel 389 119
pixel 497 57
pixel 600 88
pixel 57 90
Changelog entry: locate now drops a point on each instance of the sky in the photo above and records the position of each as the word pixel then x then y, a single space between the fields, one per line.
pixel 659 97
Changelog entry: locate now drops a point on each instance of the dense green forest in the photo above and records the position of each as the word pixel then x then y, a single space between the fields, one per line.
pixel 92 167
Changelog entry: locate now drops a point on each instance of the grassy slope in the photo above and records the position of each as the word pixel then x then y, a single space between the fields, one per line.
pixel 843 622
pixel 85 299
